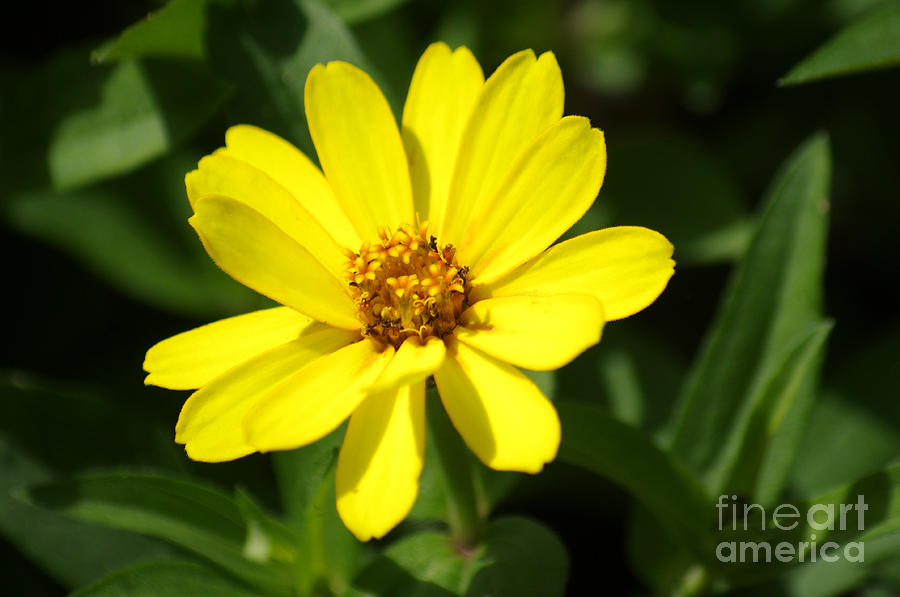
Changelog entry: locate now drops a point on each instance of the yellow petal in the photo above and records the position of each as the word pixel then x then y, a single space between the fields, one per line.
pixel 210 424
pixel 256 253
pixel 413 362
pixel 290 168
pixel 380 462
pixel 546 191
pixel 359 147
pixel 625 267
pixel 316 399
pixel 534 332
pixel 443 91
pixel 522 98
pixel 502 416
pixel 193 358
pixel 222 175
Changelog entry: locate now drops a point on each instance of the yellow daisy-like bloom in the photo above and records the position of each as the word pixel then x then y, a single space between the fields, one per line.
pixel 413 252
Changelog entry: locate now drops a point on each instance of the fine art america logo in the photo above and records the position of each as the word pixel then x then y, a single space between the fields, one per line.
pixel 818 522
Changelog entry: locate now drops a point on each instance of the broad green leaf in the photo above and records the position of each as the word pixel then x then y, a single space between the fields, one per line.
pixel 703 214
pixel 772 302
pixel 266 50
pixel 628 457
pixel 425 564
pixel 757 462
pixel 870 42
pixel 520 558
pixel 165 578
pixel 354 11
pixel 114 237
pixel 327 39
pixel 175 30
pixel 869 374
pixel 72 552
pixel 184 513
pixel 143 110
pixel 517 557
pixel 32 107
pixel 328 553
pixel 842 440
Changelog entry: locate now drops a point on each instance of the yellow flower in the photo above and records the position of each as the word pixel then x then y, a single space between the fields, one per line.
pixel 413 252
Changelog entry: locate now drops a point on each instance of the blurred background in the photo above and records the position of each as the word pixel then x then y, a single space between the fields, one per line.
pixel 95 139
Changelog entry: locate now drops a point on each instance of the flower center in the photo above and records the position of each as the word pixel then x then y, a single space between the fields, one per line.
pixel 406 285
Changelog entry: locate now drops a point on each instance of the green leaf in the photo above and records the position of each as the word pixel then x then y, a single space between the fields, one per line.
pixel 116 239
pixel 773 301
pixel 516 558
pixel 83 428
pixel 71 552
pixel 165 578
pixel 870 42
pixel 327 550
pixel 184 513
pixel 143 109
pixel 175 30
pixel 266 50
pixel 628 457
pixel 520 557
pixel 868 374
pixel 354 11
pixel 843 439
pixel 655 556
pixel 757 462
pixel 876 527
pixel 424 564
pixel 267 538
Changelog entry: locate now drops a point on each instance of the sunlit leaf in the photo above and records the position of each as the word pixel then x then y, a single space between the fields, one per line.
pixel 870 42
pixel 175 30
pixel 353 11
pixel 143 109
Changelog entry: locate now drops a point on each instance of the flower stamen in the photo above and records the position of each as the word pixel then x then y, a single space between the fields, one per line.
pixel 406 285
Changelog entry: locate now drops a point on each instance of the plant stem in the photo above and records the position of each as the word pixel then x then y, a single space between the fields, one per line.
pixel 456 464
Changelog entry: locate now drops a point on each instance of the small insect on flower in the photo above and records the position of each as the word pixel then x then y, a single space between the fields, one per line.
pixel 426 252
